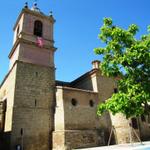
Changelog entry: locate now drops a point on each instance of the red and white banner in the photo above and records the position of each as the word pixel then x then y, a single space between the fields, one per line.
pixel 40 41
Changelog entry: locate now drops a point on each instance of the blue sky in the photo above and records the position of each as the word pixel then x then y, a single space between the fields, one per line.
pixel 76 29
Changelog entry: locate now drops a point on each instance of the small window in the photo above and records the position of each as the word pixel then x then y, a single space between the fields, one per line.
pixel 21 131
pixel 134 123
pixel 74 102
pixel 91 103
pixel 143 119
pixel 38 28
pixel 35 102
pixel 115 90
pixel 36 74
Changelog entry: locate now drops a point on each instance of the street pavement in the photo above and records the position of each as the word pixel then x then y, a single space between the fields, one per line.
pixel 131 146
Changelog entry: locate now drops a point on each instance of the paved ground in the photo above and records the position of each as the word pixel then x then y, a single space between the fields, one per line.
pixel 134 146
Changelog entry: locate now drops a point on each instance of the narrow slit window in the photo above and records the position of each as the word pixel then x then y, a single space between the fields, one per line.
pixel 36 74
pixel 35 102
pixel 21 131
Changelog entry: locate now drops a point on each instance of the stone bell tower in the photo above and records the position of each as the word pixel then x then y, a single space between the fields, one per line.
pixel 30 84
pixel 33 38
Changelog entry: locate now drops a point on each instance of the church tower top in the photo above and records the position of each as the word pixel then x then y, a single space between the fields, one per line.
pixel 34 11
pixel 33 37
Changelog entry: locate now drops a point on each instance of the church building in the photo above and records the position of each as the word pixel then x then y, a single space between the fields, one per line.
pixel 38 112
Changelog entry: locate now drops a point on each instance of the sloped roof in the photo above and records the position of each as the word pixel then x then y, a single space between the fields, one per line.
pixel 82 77
pixel 86 75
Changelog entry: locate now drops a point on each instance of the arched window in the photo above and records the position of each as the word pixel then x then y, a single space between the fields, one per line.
pixel 38 28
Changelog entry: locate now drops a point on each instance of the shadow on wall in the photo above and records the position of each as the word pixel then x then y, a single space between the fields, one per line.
pixel 5 140
pixel 83 83
pixel 109 133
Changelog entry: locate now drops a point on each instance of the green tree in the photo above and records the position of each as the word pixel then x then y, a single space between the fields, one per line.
pixel 128 58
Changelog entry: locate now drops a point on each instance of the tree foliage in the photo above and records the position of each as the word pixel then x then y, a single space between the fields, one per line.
pixel 128 58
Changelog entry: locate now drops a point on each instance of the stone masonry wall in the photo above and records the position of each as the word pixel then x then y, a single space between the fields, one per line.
pixel 33 107
pixel 76 126
pixel 82 115
pixel 104 86
pixel 69 139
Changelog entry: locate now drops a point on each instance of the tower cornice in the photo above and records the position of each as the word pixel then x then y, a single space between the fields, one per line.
pixel 21 40
pixel 38 14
